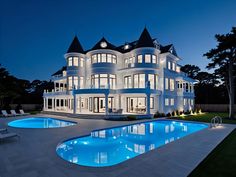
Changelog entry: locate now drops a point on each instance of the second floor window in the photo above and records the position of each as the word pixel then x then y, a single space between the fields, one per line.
pixel 70 61
pixel 147 58
pixel 104 58
pixel 139 80
pixel 140 58
pixel 127 82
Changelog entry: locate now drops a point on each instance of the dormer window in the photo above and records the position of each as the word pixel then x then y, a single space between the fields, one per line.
pixel 103 44
pixel 126 46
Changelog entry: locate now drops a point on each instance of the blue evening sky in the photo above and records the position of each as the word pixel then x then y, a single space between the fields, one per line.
pixel 35 34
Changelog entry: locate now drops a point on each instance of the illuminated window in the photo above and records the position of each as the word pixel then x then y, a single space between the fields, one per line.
pixel 81 62
pixel 76 61
pixel 113 59
pixel 172 101
pixel 139 80
pixel 166 102
pixel 166 83
pixel 147 58
pixel 185 101
pixel 177 69
pixel 70 61
pixel 151 103
pixel 81 82
pixel 173 66
pixel 140 58
pixel 103 58
pixel 154 59
pixel 75 82
pixel 94 59
pixel 172 85
pixel 127 82
pixel 109 58
pixel 151 79
pixel 70 83
pixel 99 58
pixel 169 65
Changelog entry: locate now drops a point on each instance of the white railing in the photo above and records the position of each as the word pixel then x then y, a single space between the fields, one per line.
pixel 216 121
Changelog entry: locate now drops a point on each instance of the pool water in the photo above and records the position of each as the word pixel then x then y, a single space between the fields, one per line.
pixel 40 122
pixel 112 146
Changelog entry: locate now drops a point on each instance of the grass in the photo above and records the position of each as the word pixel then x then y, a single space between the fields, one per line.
pixel 221 161
pixel 206 117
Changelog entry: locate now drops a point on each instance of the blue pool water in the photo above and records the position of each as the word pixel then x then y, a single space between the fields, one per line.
pixel 40 122
pixel 112 146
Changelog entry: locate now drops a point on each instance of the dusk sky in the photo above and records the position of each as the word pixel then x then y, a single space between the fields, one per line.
pixel 35 34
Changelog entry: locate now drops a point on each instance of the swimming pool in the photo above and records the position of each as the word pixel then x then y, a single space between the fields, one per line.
pixel 40 122
pixel 112 146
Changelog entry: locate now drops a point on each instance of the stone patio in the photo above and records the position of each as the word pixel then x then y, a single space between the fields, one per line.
pixel 35 155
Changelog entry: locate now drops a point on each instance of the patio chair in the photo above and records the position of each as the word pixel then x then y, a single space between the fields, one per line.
pixel 4 136
pixel 23 113
pixel 5 114
pixel 13 112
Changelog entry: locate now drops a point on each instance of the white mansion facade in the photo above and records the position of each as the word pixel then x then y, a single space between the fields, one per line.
pixel 140 77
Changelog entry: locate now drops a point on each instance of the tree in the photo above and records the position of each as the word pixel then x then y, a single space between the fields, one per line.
pixel 190 70
pixel 223 60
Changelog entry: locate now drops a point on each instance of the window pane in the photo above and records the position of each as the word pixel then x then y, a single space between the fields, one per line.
pixel 173 66
pixel 166 83
pixel 140 58
pixel 70 61
pixel 99 58
pixel 94 58
pixel 166 102
pixel 151 78
pixel 109 58
pixel 169 65
pixel 114 59
pixel 81 62
pixel 151 102
pixel 70 82
pixel 154 59
pixel 141 80
pixel 172 85
pixel 136 81
pixel 103 57
pixel 76 61
pixel 147 58
pixel 75 82
pixel 81 82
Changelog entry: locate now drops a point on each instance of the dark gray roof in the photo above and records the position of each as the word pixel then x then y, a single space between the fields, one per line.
pixel 98 45
pixel 168 48
pixel 75 46
pixel 60 71
pixel 145 40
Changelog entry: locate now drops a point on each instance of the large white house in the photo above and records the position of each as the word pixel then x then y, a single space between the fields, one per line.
pixel 140 77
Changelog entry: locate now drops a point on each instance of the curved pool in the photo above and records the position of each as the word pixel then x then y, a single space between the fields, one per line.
pixel 112 146
pixel 40 122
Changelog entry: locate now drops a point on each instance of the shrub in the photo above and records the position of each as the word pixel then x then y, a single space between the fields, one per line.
pixel 168 114
pixel 158 114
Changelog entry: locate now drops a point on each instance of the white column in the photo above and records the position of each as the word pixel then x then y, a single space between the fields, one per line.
pixel 75 104
pixel 106 104
pixel 44 104
pixel 53 103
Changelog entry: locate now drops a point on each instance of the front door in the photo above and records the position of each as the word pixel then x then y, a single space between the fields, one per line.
pixel 100 105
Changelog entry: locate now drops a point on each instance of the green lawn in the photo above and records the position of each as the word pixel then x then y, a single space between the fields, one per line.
pixel 221 162
pixel 206 117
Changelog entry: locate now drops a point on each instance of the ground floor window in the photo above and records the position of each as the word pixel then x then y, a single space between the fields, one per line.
pixel 99 104
pixel 138 104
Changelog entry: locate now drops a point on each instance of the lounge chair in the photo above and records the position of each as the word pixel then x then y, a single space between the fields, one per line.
pixel 5 114
pixel 13 112
pixel 4 136
pixel 23 113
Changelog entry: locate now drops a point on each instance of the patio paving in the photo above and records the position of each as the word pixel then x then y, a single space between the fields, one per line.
pixel 35 155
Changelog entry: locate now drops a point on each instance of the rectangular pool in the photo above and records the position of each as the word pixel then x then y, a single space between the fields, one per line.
pixel 112 146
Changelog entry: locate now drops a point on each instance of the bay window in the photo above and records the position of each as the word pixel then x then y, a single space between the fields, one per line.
pixel 147 58
pixel 140 58
pixel 139 81
pixel 103 58
pixel 127 82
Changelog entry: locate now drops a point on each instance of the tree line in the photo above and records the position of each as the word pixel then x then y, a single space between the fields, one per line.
pixel 19 91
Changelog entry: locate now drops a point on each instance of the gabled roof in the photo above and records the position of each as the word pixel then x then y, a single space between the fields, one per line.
pixel 168 48
pixel 60 71
pixel 75 46
pixel 145 40
pixel 107 45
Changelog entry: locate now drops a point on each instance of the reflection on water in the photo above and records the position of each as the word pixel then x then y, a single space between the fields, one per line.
pixel 111 146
